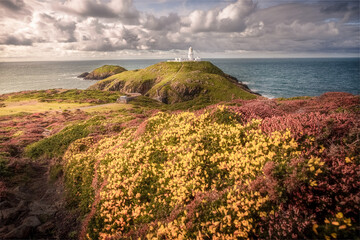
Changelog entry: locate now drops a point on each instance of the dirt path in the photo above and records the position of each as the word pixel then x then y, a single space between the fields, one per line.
pixel 173 78
pixel 34 208
pixel 182 65
pixel 32 205
pixel 22 103
pixel 95 106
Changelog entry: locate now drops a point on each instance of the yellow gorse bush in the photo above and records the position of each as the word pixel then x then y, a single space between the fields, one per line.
pixel 186 176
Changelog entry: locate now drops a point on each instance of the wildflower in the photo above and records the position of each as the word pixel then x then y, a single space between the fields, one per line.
pixel 347 221
pixel 339 215
pixel 342 227
pixel 314 228
pixel 313 183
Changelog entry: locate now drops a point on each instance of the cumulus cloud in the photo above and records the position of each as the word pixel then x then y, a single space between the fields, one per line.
pixel 13 5
pixel 229 19
pixel 172 22
pixel 120 9
pixel 120 39
pixel 53 28
pixel 87 8
pixel 14 8
pixel 12 40
pixel 238 26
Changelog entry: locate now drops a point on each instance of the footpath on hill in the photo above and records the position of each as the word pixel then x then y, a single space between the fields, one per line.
pixel 35 208
pixel 32 201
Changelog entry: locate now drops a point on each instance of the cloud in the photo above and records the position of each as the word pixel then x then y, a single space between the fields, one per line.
pixel 119 9
pixel 49 28
pixel 232 18
pixel 67 30
pixel 163 23
pixel 110 38
pixel 13 5
pixel 87 8
pixel 106 26
pixel 14 8
pixel 18 41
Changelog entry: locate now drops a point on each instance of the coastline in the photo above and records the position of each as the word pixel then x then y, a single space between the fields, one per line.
pixel 261 75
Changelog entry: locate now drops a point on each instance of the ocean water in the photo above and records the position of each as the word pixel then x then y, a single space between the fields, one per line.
pixel 271 78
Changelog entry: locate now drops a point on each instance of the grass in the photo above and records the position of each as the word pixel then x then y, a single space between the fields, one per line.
pixel 147 103
pixel 34 106
pixel 55 100
pixel 186 84
pixel 163 72
pixel 107 107
pixel 55 172
pixel 56 145
pixel 108 69
pixel 69 96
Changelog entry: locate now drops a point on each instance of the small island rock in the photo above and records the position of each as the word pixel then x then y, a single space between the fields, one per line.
pixel 104 72
pixel 83 75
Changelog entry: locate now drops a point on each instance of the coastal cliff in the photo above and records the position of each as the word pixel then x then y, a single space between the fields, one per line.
pixel 175 82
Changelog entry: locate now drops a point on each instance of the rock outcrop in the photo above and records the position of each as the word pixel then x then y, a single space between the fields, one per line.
pixel 83 75
pixel 102 72
pixel 175 82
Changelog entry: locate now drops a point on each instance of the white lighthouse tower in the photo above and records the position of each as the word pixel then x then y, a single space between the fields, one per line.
pixel 190 58
pixel 191 54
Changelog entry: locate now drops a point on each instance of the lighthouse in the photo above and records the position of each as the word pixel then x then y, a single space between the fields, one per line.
pixel 190 57
pixel 191 54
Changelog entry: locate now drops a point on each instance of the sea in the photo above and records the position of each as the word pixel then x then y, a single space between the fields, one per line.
pixel 272 78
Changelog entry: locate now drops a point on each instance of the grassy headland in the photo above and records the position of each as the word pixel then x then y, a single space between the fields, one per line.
pixel 183 85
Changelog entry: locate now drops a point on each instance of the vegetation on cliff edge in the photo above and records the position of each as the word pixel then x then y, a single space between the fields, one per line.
pixel 104 72
pixel 173 82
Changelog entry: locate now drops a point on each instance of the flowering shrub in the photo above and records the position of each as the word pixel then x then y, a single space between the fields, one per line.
pixel 218 174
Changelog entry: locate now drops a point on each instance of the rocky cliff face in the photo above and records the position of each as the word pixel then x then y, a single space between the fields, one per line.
pixel 102 72
pixel 172 82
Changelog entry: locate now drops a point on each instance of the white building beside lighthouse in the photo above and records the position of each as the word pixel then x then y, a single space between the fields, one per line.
pixel 190 57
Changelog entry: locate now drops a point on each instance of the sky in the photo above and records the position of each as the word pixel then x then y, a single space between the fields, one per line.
pixel 32 30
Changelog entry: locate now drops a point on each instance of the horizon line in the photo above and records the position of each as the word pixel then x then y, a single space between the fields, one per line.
pixel 203 59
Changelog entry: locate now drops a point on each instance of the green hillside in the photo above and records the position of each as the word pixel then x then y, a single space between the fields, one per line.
pixel 176 82
pixel 104 72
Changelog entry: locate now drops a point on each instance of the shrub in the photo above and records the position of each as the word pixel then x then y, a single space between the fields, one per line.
pixel 79 173
pixel 56 145
pixel 218 174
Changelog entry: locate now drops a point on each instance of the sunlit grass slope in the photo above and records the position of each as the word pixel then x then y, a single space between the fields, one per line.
pixel 105 71
pixel 58 100
pixel 35 106
pixel 173 82
pixel 63 95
